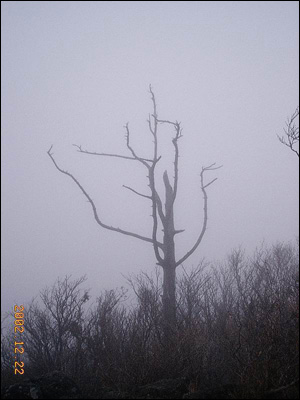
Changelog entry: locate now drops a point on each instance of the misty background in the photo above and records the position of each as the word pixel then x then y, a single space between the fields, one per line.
pixel 77 72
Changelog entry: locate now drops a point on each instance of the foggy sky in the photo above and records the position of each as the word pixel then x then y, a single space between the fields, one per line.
pixel 77 72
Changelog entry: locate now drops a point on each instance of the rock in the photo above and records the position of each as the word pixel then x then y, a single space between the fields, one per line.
pixel 53 385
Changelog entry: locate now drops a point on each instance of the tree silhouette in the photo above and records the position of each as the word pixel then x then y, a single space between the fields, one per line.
pixel 162 215
pixel 291 137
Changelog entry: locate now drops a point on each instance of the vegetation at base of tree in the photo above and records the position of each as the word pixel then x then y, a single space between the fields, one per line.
pixel 236 323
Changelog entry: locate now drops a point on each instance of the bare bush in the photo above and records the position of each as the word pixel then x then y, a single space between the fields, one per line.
pixel 291 133
pixel 53 333
pixel 237 323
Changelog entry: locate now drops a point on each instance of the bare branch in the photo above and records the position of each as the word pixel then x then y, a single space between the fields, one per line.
pixel 174 141
pixel 124 232
pixel 153 130
pixel 134 191
pixel 165 121
pixel 142 160
pixel 150 125
pixel 178 231
pixel 211 167
pixel 94 153
pixel 204 187
pixel 204 226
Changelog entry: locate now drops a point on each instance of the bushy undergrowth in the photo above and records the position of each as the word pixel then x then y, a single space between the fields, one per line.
pixel 237 322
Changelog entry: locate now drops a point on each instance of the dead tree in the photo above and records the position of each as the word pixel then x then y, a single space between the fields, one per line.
pixel 291 137
pixel 162 215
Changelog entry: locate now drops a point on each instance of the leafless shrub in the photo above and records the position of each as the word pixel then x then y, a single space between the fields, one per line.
pixel 237 322
pixel 291 136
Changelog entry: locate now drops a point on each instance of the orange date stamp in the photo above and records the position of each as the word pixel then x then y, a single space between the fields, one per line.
pixel 18 330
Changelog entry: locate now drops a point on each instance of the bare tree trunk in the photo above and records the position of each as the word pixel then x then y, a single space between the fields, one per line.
pixel 169 264
pixel 169 299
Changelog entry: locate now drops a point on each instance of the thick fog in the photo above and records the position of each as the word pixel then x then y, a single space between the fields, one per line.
pixel 77 72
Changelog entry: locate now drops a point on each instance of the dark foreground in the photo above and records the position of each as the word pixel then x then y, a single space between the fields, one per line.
pixel 56 385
